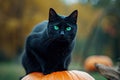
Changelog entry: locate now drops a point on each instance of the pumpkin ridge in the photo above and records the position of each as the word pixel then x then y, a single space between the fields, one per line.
pixel 86 75
pixel 77 75
pixel 65 76
pixel 74 77
pixel 68 75
pixel 59 75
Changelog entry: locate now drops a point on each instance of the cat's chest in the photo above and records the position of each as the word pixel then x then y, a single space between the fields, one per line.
pixel 55 47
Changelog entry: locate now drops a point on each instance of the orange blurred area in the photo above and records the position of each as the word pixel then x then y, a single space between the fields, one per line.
pixel 18 17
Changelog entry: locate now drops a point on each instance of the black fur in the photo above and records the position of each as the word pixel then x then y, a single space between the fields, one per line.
pixel 48 50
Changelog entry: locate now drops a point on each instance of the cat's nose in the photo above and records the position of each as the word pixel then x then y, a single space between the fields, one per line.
pixel 62 33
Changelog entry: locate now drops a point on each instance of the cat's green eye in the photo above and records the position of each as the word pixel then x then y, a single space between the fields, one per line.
pixel 68 28
pixel 56 27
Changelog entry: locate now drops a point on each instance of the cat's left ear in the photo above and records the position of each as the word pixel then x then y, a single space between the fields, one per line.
pixel 73 16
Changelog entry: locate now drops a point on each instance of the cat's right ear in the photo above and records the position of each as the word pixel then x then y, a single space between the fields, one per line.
pixel 52 15
pixel 73 16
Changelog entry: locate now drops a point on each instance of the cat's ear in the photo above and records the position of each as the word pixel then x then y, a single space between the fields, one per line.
pixel 52 15
pixel 73 16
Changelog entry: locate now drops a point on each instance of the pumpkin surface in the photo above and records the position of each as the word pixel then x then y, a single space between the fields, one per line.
pixel 90 62
pixel 60 75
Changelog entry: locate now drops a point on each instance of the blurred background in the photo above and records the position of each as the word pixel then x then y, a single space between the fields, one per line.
pixel 98 30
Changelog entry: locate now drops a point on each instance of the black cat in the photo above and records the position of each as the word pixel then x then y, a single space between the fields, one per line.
pixel 48 47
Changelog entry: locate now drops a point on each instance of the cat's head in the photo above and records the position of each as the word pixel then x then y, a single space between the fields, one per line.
pixel 62 28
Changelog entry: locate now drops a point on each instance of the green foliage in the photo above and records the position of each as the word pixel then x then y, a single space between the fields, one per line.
pixel 97 76
pixel 10 71
pixel 102 3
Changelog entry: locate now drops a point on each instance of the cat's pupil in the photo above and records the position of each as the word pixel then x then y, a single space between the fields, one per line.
pixel 68 28
pixel 56 27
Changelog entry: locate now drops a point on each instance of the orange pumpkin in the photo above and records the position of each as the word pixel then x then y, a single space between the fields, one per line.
pixel 60 75
pixel 89 63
